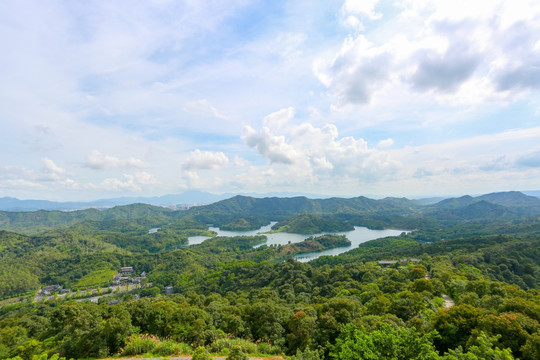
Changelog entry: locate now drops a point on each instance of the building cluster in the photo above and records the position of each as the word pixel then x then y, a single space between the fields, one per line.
pixel 53 289
pixel 125 276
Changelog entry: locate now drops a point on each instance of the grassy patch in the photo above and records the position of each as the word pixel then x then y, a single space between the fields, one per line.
pixel 95 278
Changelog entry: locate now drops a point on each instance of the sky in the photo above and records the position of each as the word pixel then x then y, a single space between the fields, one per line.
pixel 411 98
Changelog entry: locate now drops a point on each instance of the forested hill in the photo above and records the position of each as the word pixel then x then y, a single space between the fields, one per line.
pixel 36 221
pixel 243 212
pixel 302 205
pixel 511 199
pixel 474 295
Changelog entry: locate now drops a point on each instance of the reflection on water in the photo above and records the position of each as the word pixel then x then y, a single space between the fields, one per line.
pixel 356 236
pixel 196 240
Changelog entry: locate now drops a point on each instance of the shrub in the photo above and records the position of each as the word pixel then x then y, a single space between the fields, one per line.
pixel 237 354
pixel 139 344
pixel 144 343
pixel 201 354
pixel 170 347
pixel 265 348
pixel 220 345
pixel 306 355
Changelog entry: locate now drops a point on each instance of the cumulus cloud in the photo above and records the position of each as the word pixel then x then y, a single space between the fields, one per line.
pixel 50 177
pixel 130 182
pixel 205 160
pixel 318 152
pixel 145 178
pixel 345 156
pixel 270 146
pixel 521 69
pixel 98 161
pixel 356 72
pixel 444 72
pixel 114 184
pixel 442 49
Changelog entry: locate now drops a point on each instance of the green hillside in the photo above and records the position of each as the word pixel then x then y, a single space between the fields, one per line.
pixel 311 224
pixel 37 221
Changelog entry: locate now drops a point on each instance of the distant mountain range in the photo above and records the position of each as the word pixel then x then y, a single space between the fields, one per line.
pixel 188 197
pixel 194 197
pixel 253 212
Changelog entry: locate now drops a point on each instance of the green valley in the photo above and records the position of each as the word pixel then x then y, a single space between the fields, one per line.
pixel 464 282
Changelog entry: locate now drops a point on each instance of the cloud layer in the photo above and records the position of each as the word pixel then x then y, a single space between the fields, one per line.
pixel 353 97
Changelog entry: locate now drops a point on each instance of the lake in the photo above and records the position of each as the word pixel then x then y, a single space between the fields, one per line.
pixel 356 236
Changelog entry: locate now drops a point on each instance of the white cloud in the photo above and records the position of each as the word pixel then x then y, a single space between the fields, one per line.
pixel 274 148
pixel 500 153
pixel 205 160
pixel 356 72
pixel 385 143
pixel 148 83
pixel 277 119
pixel 98 161
pixel 52 167
pixel 444 72
pixel 145 178
pixel 318 153
pixel 438 48
pixel 240 162
pixel 362 7
pixel 21 184
pixel 192 180
pixel 114 184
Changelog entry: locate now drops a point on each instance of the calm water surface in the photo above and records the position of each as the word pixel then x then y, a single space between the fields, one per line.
pixel 356 236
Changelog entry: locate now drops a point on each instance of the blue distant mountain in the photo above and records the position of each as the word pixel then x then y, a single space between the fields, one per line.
pixel 188 197
pixel 195 197
pixel 192 197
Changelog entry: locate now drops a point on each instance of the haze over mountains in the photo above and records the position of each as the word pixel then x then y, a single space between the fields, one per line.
pixel 192 197
pixel 195 197
pixel 246 212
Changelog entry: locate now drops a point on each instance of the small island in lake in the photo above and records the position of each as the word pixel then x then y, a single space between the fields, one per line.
pixel 311 224
pixel 314 244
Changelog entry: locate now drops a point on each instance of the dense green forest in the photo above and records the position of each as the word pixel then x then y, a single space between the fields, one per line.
pixel 311 224
pixel 237 295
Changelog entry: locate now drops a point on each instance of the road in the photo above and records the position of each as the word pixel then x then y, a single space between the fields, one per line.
pixel 106 291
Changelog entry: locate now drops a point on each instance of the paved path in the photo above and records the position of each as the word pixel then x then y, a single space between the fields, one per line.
pixel 448 302
pixel 106 291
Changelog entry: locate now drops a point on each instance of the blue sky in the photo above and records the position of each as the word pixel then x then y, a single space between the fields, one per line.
pixel 389 98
